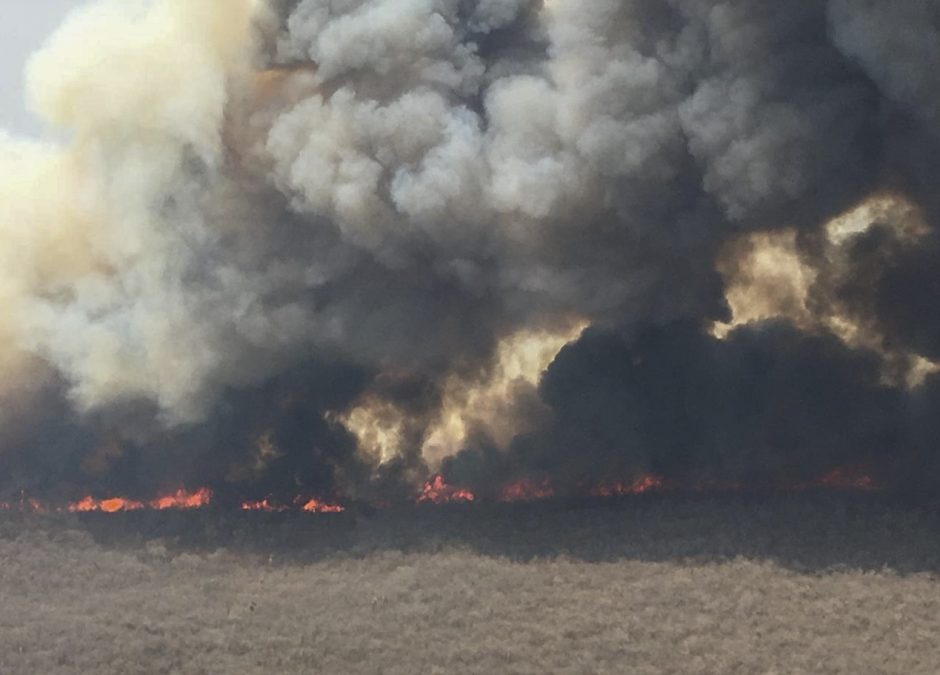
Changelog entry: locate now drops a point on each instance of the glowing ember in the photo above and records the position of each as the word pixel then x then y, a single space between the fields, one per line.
pixel 436 491
pixel 264 505
pixel 526 490
pixel 181 499
pixel 845 479
pixel 316 506
pixel 620 489
pixel 26 504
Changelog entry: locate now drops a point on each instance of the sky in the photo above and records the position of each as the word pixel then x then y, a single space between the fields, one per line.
pixel 24 26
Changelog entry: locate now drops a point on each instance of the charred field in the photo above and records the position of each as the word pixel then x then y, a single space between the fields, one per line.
pixel 813 582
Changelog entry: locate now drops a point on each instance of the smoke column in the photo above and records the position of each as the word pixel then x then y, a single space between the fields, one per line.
pixel 308 245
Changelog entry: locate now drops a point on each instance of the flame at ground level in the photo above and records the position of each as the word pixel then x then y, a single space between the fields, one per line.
pixel 264 505
pixel 438 491
pixel 181 499
pixel 313 505
pixel 107 505
pixel 316 506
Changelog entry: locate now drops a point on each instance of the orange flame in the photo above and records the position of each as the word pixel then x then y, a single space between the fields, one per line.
pixel 316 506
pixel 112 505
pixel 308 505
pixel 263 505
pixel 181 499
pixel 436 491
pixel 120 504
pixel 83 506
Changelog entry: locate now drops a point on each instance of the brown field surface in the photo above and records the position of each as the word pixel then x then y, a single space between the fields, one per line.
pixel 663 584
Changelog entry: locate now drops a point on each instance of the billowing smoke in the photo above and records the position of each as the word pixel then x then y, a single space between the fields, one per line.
pixel 766 404
pixel 313 246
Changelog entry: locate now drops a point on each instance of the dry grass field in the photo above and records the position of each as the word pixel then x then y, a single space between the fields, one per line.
pixel 800 584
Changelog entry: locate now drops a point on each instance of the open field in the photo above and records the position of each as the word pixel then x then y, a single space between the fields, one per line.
pixel 809 583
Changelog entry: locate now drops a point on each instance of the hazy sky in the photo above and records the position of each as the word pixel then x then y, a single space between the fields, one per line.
pixel 23 28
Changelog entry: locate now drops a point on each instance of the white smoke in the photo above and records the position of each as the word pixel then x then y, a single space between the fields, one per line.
pixel 100 229
pixel 401 184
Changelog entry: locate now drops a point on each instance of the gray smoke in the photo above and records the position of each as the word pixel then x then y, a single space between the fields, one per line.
pixel 267 211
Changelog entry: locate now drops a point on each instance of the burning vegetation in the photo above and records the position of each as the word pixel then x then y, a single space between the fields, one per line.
pixel 445 283
pixel 550 250
pixel 437 491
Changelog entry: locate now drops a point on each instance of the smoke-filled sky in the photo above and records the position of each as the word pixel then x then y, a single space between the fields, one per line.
pixel 23 28
pixel 329 246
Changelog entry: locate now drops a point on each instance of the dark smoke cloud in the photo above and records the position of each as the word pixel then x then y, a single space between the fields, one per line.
pixel 768 405
pixel 356 200
pixel 897 46
pixel 892 285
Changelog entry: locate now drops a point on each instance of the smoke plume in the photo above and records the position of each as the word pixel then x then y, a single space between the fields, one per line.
pixel 282 246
